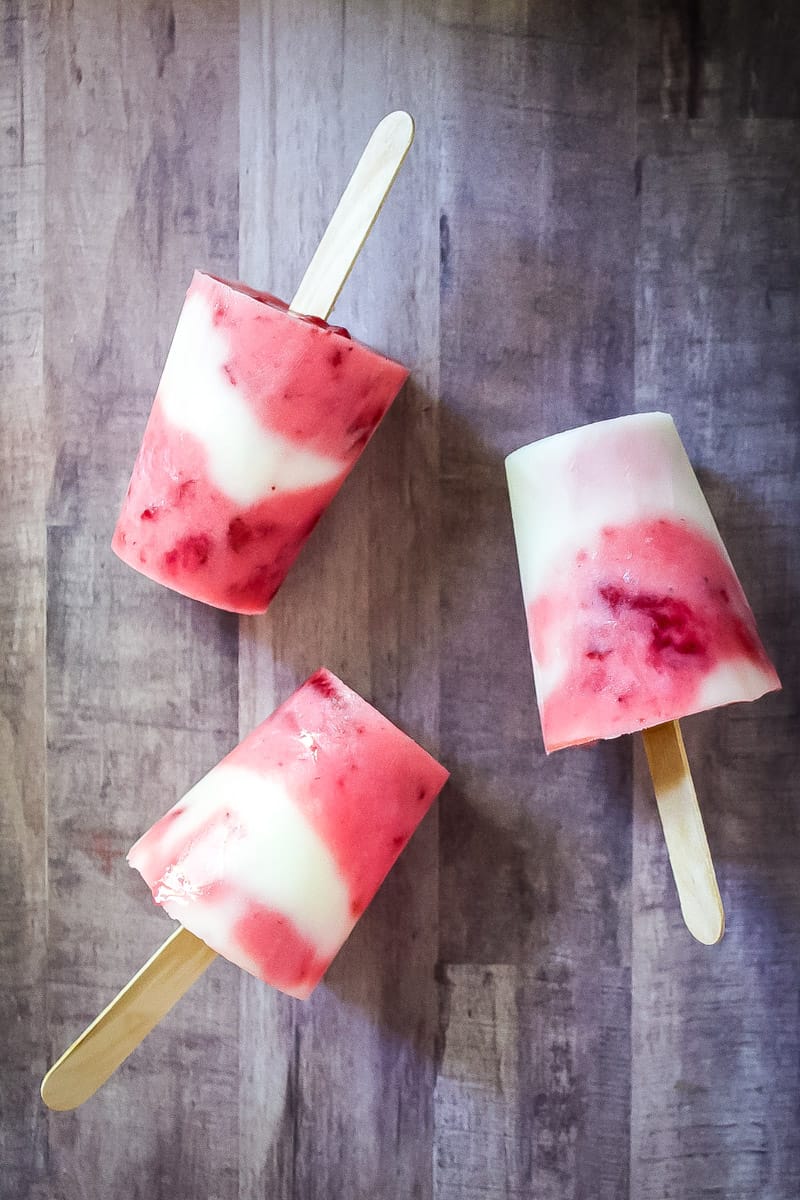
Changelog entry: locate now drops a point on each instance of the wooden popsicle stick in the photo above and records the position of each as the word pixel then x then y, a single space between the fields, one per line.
pixel 95 1055
pixel 172 970
pixel 355 215
pixel 684 832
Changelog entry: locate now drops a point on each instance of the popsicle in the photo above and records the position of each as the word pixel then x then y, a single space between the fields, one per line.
pixel 269 861
pixel 273 856
pixel 261 413
pixel 636 616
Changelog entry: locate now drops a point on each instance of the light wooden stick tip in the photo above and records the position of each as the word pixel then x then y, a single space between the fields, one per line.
pixel 354 216
pixel 125 1022
pixel 684 833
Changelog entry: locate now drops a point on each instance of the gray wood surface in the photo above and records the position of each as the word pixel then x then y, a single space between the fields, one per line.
pixel 23 492
pixel 141 175
pixel 601 213
pixel 717 1080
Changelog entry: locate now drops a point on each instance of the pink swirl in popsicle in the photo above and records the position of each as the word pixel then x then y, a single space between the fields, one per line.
pixel 635 613
pixel 272 857
pixel 638 644
pixel 259 417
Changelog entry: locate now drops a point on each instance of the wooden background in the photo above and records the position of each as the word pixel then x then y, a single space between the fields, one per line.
pixel 601 214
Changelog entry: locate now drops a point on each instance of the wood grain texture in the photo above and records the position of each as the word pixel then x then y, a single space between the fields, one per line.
pixel 538 217
pixel 521 1061
pixel 718 59
pixel 142 162
pixel 23 490
pixel 716 1081
pixel 600 214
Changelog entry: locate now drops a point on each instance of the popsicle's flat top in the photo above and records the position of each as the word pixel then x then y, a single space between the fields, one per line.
pixel 594 429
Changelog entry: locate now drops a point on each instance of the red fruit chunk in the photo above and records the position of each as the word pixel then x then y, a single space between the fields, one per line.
pixel 190 553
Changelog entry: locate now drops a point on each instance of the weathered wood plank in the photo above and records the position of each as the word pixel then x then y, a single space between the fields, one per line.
pixel 716 1041
pixel 541 1082
pixel 718 59
pixel 538 215
pixel 523 1051
pixel 357 1074
pixel 142 161
pixel 23 485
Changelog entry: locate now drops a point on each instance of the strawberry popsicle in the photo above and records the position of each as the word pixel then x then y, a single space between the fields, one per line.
pixel 635 614
pixel 272 857
pixel 259 417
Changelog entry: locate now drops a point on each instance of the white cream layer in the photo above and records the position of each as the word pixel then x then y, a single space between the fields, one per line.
pixel 244 460
pixel 732 682
pixel 243 828
pixel 565 489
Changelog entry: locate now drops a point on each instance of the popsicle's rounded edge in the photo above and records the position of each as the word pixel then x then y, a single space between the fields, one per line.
pixel 54 1097
pixel 47 1099
pixel 61 1088
pixel 166 976
pixel 400 122
pixel 706 925
pixel 355 215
